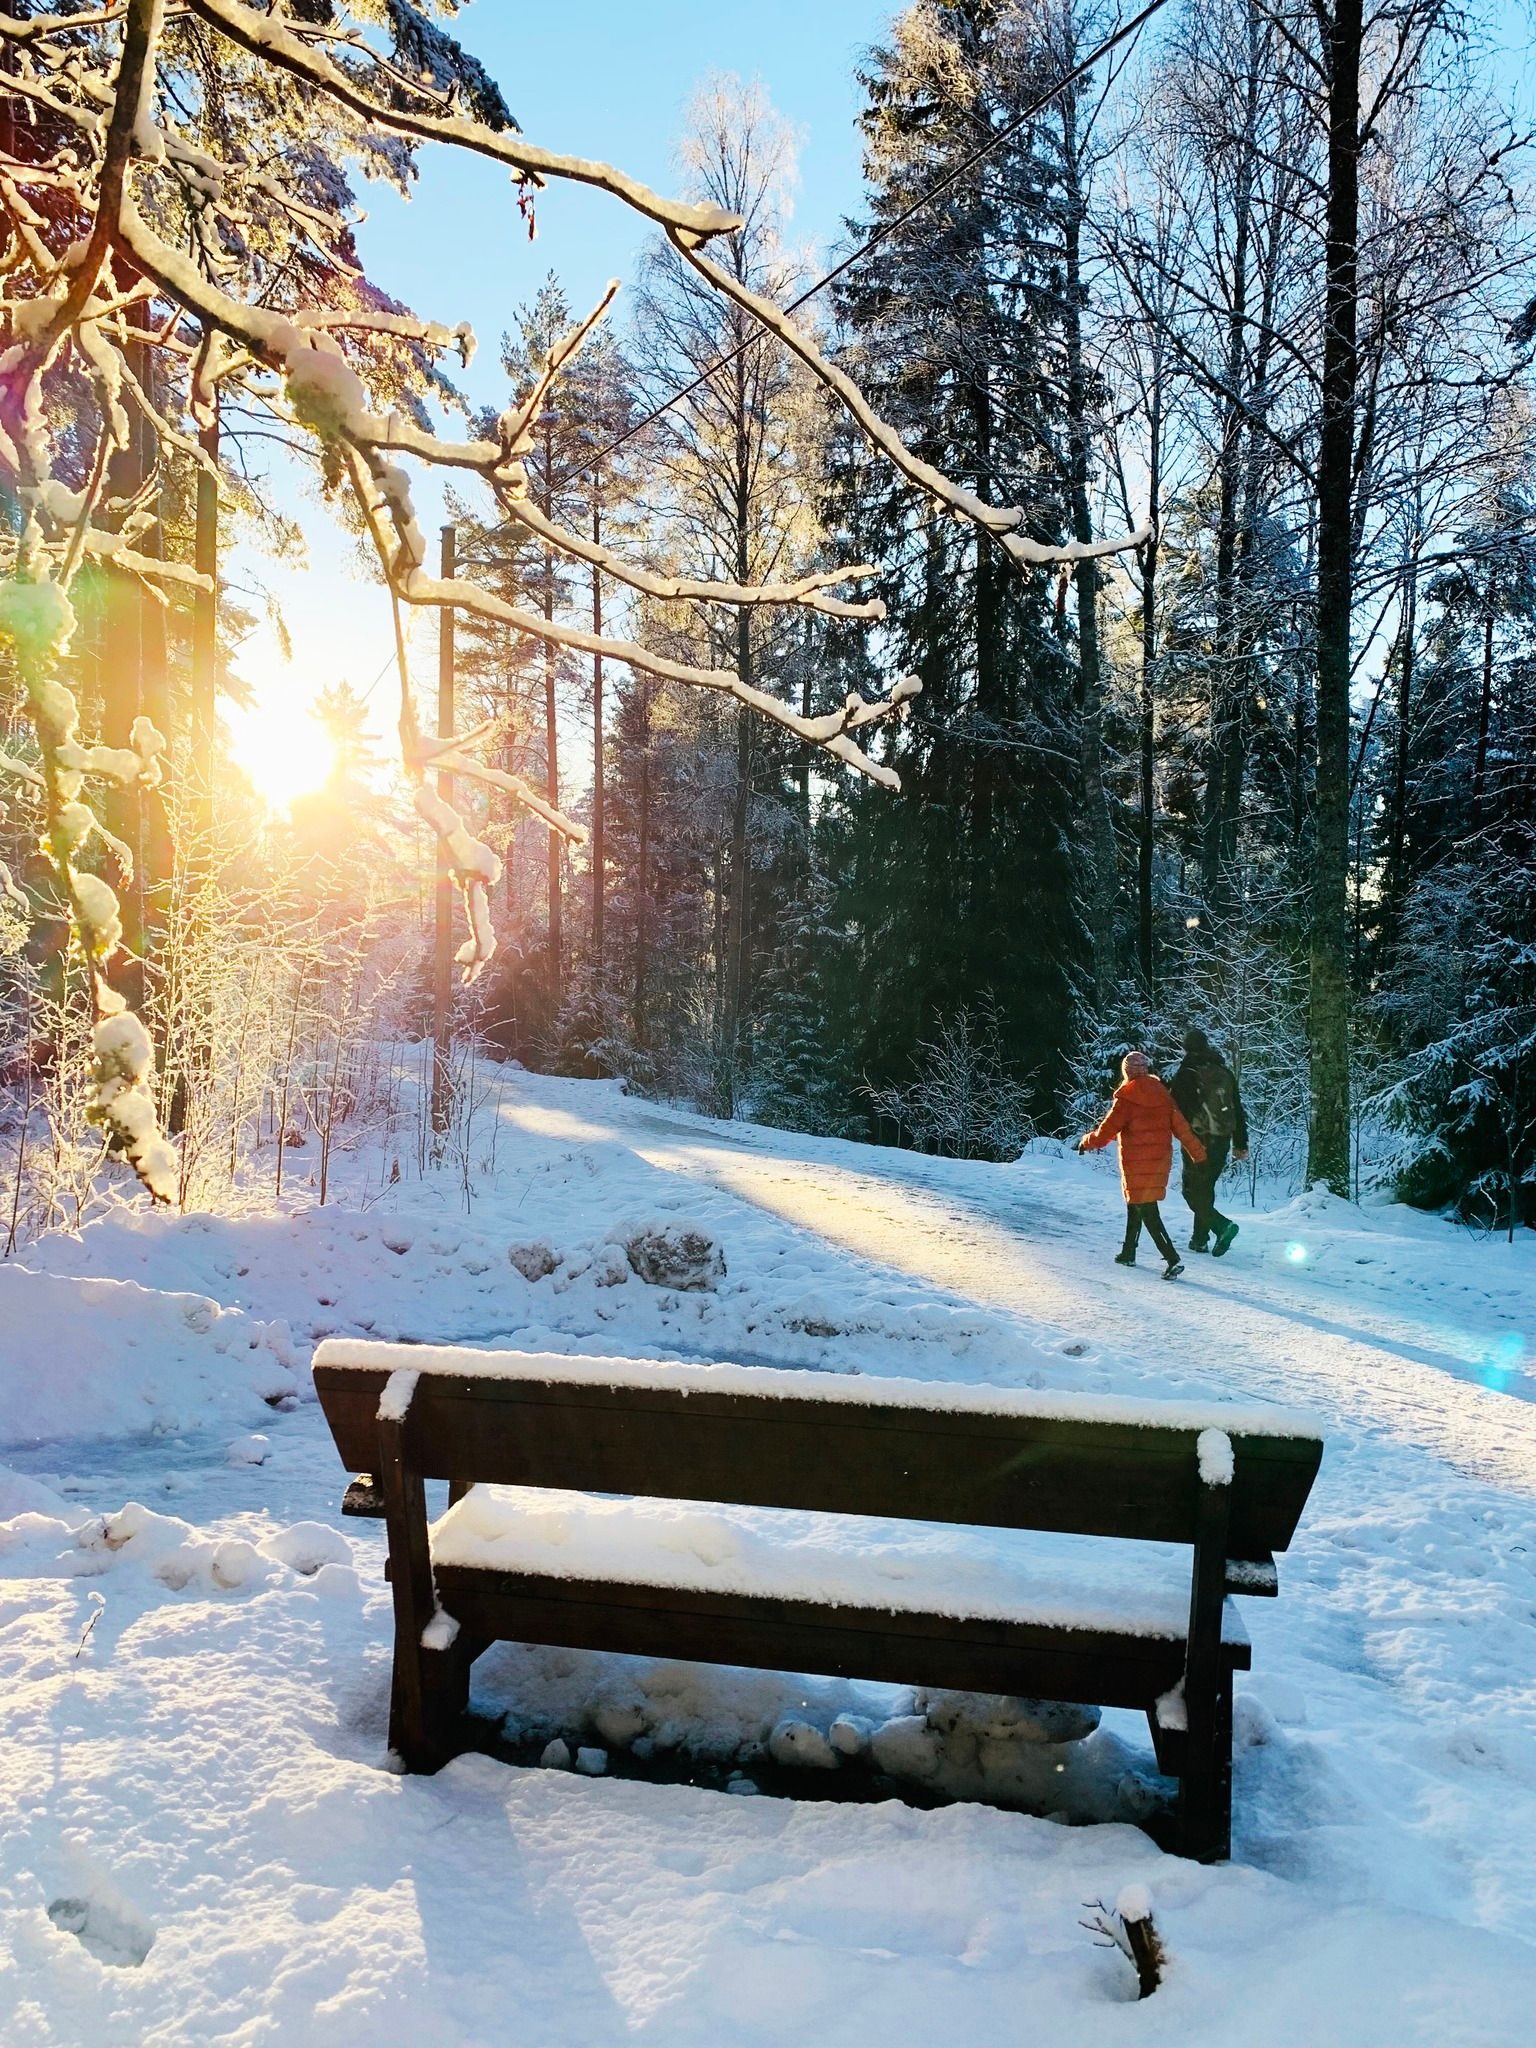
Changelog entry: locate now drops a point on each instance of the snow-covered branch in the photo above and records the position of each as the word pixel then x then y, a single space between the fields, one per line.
pixel 1004 521
pixel 269 37
pixel 808 592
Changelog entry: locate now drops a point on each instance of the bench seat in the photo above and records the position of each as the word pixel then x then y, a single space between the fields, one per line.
pixel 1093 1585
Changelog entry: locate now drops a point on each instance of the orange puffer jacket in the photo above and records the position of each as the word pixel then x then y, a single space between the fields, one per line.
pixel 1146 1120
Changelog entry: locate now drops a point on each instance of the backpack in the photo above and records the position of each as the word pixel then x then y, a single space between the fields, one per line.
pixel 1216 1109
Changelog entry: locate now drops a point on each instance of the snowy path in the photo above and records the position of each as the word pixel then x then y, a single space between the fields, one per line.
pixel 1356 1330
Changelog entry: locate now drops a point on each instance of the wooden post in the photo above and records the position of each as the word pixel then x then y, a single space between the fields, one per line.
pixel 410 1579
pixel 442 930
pixel 1205 1794
pixel 205 641
pixel 429 1689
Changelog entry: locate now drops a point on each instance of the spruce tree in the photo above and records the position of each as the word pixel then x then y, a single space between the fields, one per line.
pixel 954 324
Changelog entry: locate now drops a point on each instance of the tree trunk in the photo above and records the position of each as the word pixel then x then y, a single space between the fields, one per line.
pixel 643 870
pixel 738 932
pixel 442 895
pixel 1102 877
pixel 1328 1149
pixel 599 839
pixel 205 640
pixel 1484 711
pixel 1146 836
pixel 135 682
pixel 1395 887
pixel 1227 764
pixel 552 740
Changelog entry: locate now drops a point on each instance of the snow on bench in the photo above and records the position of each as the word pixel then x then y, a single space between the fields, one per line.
pixel 766 1382
pixel 1086 1583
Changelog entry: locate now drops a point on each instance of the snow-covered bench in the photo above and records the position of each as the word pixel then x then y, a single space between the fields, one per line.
pixel 754 1524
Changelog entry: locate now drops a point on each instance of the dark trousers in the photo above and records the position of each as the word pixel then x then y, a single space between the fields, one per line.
pixel 1199 1186
pixel 1148 1213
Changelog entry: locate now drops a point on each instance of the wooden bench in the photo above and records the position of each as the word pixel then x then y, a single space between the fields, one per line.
pixel 1112 1623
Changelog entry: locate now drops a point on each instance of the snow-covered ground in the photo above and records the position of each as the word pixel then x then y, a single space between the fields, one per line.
pixel 199 1841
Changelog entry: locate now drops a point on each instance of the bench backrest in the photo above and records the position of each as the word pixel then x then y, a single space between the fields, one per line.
pixel 1084 1473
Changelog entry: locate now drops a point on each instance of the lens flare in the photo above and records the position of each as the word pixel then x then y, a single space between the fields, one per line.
pixel 1297 1254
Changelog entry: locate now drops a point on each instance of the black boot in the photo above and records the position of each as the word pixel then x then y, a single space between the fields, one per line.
pixel 1126 1256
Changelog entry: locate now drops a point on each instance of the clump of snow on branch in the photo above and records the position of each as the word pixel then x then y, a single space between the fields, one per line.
pixel 121 1102
pixel 475 868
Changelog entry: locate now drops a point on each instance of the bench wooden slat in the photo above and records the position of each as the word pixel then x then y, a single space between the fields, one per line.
pixel 832 1642
pixel 994 1471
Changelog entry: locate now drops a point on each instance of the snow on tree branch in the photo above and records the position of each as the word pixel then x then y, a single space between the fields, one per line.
pixel 1004 521
pixel 288 46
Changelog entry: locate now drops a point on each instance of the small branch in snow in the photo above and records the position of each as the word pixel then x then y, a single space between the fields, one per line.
pixel 1130 1928
pixel 97 1612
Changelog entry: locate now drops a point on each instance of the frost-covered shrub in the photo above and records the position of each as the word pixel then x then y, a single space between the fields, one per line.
pixel 1463 1104
pixel 964 1100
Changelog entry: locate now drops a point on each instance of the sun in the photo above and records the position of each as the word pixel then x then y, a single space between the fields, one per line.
pixel 282 749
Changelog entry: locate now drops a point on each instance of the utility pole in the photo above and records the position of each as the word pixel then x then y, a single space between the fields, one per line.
pixel 442 933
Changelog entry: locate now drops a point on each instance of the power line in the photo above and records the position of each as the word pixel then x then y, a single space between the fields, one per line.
pixel 880 234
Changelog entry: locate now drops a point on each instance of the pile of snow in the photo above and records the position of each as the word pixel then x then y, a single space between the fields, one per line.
pixel 90 1357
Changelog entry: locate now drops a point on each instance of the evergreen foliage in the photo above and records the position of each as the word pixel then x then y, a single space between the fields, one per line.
pixel 968 896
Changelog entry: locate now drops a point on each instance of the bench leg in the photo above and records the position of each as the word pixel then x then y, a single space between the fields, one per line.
pixel 1205 1791
pixel 429 1696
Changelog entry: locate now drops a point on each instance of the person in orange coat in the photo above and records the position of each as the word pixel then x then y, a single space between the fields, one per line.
pixel 1146 1120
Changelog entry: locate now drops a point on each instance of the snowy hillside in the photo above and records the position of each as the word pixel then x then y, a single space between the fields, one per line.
pixel 199 1841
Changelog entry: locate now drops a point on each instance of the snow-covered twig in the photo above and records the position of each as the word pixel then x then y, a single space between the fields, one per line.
pixel 1131 1929
pixel 516 427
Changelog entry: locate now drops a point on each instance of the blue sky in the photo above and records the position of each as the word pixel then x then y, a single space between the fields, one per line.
pixel 608 79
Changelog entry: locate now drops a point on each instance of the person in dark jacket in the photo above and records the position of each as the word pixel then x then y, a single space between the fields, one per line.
pixel 1205 1088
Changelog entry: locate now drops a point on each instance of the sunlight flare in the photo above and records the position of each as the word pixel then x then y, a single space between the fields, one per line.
pixel 282 750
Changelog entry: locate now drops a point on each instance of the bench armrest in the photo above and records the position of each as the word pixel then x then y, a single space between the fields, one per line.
pixel 364 1497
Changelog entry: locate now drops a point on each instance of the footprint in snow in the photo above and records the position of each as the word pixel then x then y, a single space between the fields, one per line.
pixel 110 1929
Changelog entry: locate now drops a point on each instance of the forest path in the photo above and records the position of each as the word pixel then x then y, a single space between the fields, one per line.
pixel 1383 1321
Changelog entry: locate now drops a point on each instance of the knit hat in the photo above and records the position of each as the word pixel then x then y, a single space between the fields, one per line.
pixel 1134 1065
pixel 1195 1040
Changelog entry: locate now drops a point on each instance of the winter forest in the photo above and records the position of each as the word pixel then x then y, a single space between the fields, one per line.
pixel 687 696
pixel 1243 735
